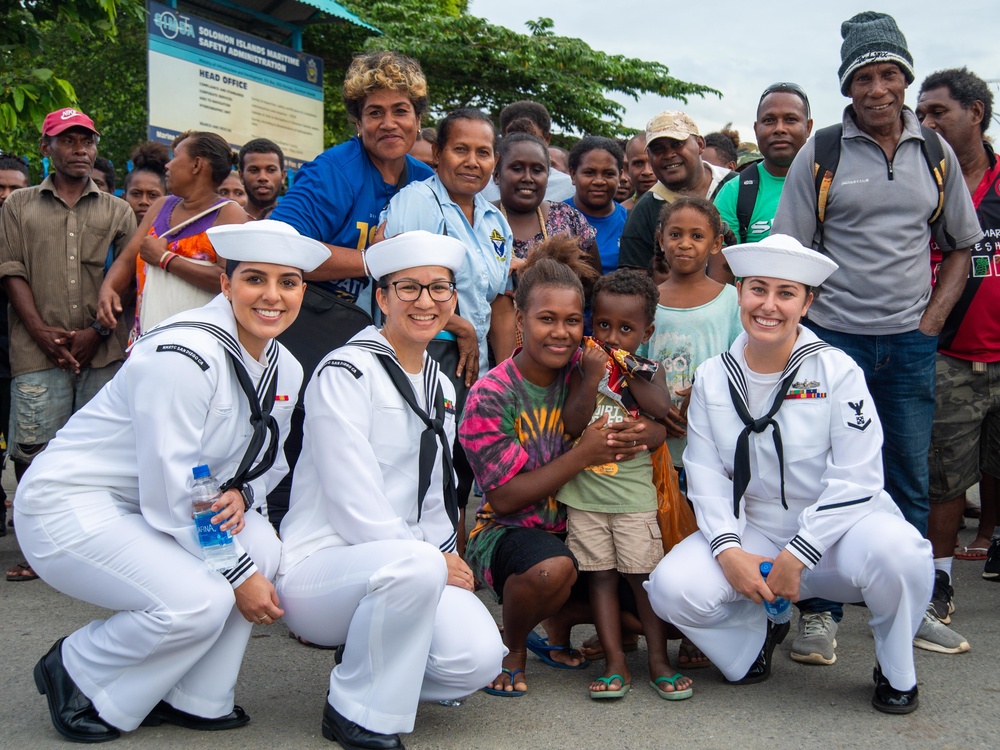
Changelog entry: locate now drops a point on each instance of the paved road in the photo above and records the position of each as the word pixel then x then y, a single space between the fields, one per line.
pixel 283 683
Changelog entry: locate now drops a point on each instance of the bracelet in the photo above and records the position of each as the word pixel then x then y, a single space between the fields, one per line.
pixel 165 265
pixel 364 263
pixel 163 258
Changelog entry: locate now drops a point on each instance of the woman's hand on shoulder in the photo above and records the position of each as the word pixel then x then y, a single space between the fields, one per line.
pixel 742 570
pixel 468 348
pixel 459 573
pixel 257 600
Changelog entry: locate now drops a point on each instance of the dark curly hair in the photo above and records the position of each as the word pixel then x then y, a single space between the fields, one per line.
pixel 965 87
pixel 557 261
pixel 509 141
pixel 151 157
pixel 630 282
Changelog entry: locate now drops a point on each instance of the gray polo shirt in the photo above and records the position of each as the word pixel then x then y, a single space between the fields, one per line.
pixel 876 228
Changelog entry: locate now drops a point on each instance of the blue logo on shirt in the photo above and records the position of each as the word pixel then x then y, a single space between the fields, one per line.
pixel 499 245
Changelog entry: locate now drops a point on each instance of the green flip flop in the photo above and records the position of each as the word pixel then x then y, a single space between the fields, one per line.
pixel 675 694
pixel 609 693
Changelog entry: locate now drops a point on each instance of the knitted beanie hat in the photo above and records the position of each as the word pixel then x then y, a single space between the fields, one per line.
pixel 872 37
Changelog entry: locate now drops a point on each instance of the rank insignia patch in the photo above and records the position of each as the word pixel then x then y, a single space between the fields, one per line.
pixel 854 414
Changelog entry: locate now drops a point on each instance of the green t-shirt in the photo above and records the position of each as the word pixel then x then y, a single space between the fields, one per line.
pixel 625 487
pixel 768 192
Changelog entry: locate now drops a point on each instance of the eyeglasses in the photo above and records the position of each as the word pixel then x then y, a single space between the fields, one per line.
pixel 410 291
pixel 787 88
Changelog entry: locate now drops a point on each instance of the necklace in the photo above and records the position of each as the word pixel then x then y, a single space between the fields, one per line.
pixel 538 211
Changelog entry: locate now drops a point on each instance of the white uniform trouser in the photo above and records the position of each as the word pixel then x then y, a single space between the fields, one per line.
pixel 881 559
pixel 408 637
pixel 178 635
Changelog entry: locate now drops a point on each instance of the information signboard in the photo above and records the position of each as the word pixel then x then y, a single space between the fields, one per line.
pixel 203 76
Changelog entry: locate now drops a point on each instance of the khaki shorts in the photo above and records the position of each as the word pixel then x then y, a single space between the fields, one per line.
pixel 626 542
pixel 965 440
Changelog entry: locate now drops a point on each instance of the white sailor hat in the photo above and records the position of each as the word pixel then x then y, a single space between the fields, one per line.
pixel 780 257
pixel 267 241
pixel 413 249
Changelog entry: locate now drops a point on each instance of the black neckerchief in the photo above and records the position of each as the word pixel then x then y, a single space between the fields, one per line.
pixel 433 426
pixel 739 395
pixel 261 401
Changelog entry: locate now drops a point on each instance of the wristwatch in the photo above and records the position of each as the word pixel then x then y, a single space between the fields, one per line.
pixel 101 330
pixel 247 491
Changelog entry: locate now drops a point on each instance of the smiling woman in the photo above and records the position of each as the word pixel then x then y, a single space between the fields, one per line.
pixel 367 505
pixel 595 165
pixel 207 387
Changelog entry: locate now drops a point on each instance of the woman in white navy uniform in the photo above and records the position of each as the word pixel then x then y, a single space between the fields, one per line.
pixel 784 464
pixel 104 514
pixel 368 558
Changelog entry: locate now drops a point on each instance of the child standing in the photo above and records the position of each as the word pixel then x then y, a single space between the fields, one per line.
pixel 697 317
pixel 611 524
pixel 514 436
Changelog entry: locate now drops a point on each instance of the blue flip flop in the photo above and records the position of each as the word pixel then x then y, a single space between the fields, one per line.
pixel 540 647
pixel 507 693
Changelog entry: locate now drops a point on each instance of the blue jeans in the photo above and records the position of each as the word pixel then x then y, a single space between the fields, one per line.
pixel 900 373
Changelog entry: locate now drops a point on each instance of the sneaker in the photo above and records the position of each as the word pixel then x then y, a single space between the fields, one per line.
pixel 934 635
pixel 943 597
pixel 816 640
pixel 991 571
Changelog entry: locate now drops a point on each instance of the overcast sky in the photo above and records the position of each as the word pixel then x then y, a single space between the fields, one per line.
pixel 708 43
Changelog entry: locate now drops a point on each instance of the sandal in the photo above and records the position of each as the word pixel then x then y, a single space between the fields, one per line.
pixel 592 649
pixel 512 693
pixel 21 572
pixel 310 644
pixel 970 553
pixel 609 693
pixel 688 652
pixel 540 647
pixel 671 695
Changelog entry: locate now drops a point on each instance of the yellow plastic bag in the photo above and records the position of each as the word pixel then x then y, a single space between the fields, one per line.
pixel 673 511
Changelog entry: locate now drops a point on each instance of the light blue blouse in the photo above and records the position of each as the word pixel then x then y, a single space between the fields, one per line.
pixel 488 241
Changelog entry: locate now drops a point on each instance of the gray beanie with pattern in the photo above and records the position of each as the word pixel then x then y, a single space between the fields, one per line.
pixel 872 37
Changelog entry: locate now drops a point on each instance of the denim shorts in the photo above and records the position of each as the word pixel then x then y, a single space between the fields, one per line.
pixel 42 402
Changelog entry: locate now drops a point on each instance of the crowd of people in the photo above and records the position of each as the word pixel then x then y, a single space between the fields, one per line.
pixel 797 334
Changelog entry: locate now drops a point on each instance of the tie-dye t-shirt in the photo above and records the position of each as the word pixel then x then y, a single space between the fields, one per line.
pixel 512 426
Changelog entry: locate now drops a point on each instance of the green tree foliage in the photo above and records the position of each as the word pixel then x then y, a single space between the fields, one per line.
pixel 471 62
pixel 31 84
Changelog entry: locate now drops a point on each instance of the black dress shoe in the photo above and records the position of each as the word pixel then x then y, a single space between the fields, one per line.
pixel 73 715
pixel 760 670
pixel 164 713
pixel 889 700
pixel 351 736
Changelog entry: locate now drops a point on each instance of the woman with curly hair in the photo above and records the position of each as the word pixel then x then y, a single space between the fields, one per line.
pixel 338 196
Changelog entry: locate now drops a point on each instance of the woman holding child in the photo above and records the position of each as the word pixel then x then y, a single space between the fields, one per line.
pixel 784 464
pixel 514 436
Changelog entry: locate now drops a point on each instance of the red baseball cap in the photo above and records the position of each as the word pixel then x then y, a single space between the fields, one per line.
pixel 63 119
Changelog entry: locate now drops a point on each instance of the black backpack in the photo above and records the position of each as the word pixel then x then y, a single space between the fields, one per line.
pixel 827 157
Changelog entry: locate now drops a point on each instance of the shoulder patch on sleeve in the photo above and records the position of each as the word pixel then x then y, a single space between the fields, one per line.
pixel 189 353
pixel 855 414
pixel 344 364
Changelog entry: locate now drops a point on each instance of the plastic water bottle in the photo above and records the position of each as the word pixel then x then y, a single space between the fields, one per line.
pixel 780 610
pixel 216 545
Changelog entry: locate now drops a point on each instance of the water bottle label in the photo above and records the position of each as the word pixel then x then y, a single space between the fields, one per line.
pixel 209 534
